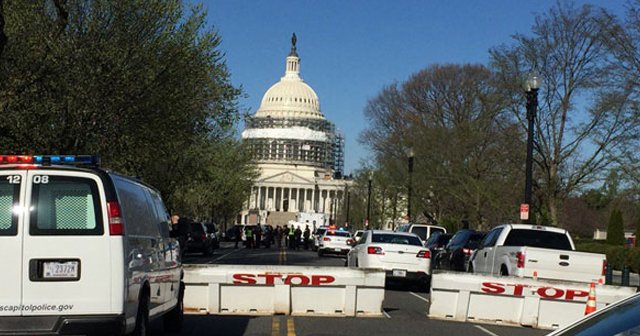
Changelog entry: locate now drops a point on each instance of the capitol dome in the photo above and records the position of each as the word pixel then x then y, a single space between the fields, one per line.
pixel 291 97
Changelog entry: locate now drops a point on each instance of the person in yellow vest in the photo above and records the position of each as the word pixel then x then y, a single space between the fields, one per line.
pixel 292 238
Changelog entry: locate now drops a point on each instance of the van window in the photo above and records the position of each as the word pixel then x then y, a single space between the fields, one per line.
pixel 65 205
pixel 138 215
pixel 436 229
pixel 9 195
pixel 421 231
pixel 162 215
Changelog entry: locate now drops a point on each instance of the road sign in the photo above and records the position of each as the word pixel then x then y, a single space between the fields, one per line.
pixel 524 211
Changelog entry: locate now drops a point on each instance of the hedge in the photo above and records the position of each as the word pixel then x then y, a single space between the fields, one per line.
pixel 617 256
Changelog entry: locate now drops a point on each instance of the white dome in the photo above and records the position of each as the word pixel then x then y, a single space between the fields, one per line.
pixel 291 97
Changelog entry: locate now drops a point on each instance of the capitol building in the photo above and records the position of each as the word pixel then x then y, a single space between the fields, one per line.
pixel 299 154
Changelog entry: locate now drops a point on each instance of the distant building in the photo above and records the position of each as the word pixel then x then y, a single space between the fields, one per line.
pixel 629 236
pixel 300 154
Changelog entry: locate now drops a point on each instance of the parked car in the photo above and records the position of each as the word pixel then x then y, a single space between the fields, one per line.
pixel 424 231
pixel 335 242
pixel 198 239
pixel 400 254
pixel 231 233
pixel 90 246
pixel 455 255
pixel 214 234
pixel 620 318
pixel 436 243
pixel 317 236
pixel 357 235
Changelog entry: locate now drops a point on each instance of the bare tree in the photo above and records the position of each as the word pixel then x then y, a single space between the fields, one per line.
pixel 580 118
pixel 623 40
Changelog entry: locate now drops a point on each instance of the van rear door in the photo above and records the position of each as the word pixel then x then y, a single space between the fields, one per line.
pixel 66 246
pixel 12 188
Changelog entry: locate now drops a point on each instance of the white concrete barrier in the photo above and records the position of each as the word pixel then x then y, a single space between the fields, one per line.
pixel 544 304
pixel 289 290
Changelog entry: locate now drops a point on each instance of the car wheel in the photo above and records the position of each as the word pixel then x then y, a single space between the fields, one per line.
pixel 504 271
pixel 174 319
pixel 320 253
pixel 142 317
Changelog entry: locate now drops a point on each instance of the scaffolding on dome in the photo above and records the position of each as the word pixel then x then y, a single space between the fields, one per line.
pixel 310 142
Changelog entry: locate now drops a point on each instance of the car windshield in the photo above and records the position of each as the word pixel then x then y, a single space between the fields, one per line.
pixel 320 232
pixel 620 320
pixel 389 238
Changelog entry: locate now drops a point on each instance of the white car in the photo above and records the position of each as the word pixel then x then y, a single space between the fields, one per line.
pixel 317 236
pixel 357 235
pixel 400 254
pixel 423 231
pixel 84 250
pixel 335 242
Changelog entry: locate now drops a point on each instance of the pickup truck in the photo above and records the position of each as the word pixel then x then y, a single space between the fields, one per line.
pixel 535 251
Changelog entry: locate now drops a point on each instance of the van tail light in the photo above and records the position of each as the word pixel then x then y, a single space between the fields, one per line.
pixel 326 239
pixel 116 226
pixel 520 259
pixel 604 267
pixel 349 241
pixel 467 251
pixel 203 237
pixel 375 250
pixel 426 254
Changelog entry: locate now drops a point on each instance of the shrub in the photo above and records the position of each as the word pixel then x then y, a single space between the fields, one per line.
pixel 615 228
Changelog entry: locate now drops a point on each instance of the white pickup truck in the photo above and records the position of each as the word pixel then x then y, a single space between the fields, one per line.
pixel 535 251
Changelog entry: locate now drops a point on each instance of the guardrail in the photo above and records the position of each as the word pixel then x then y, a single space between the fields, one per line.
pixel 545 304
pixel 289 290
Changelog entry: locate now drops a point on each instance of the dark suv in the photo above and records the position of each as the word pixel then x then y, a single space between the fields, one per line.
pixel 455 255
pixel 195 237
pixel 436 243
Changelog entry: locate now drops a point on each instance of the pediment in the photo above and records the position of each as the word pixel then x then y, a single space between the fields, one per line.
pixel 286 177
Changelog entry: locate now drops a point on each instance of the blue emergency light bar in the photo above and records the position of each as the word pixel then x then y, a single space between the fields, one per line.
pixel 75 160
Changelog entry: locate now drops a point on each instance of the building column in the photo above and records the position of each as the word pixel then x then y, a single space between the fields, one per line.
pixel 313 200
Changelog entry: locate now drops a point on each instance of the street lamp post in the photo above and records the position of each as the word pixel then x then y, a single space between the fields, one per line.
pixel 410 155
pixel 531 88
pixel 369 201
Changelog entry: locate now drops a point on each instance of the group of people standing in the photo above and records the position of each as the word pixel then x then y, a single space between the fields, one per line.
pixel 291 237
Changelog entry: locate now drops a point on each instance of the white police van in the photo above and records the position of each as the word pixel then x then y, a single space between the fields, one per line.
pixel 85 251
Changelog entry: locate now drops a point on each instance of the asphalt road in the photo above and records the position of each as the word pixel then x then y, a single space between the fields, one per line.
pixel 405 309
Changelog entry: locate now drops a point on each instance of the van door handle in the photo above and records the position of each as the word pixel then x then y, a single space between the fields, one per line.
pixel 485 254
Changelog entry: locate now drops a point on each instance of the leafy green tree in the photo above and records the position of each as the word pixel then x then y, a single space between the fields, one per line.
pixel 637 232
pixel 615 228
pixel 143 84
pixel 465 163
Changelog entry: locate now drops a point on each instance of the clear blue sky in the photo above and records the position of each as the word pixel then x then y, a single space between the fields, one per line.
pixel 351 49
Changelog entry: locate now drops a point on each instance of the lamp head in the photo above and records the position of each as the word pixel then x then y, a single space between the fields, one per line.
pixel 410 152
pixel 532 82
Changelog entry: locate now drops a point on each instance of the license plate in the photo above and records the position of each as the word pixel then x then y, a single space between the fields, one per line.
pixel 399 273
pixel 337 249
pixel 60 270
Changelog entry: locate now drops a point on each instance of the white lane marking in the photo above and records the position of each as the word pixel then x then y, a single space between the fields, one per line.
pixel 386 314
pixel 223 256
pixel 419 297
pixel 486 331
